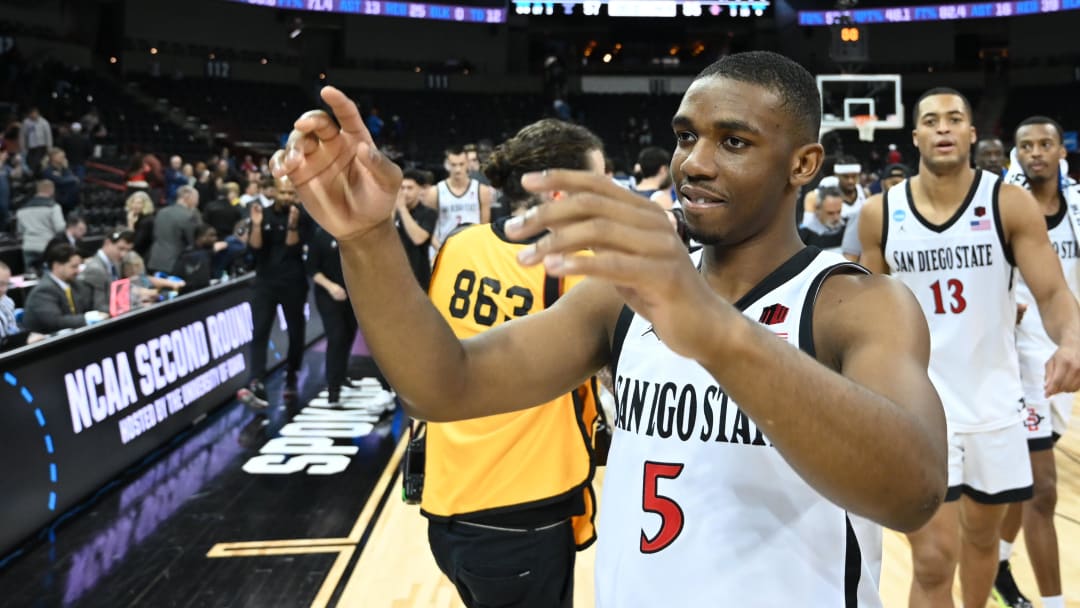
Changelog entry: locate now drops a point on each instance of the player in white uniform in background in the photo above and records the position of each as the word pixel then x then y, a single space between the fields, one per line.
pixel 951 234
pixel 458 198
pixel 740 495
pixel 1039 150
pixel 845 176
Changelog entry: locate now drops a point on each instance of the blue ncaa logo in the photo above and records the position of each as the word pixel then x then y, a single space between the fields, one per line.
pixel 899 215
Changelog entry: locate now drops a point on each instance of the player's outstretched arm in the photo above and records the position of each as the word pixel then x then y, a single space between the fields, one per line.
pixel 870 235
pixel 866 429
pixel 1025 231
pixel 350 189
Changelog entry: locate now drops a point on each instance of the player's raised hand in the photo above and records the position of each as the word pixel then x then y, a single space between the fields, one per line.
pixel 634 248
pixel 1063 372
pixel 344 182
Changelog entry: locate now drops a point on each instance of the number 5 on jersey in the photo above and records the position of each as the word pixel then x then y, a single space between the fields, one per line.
pixel 671 514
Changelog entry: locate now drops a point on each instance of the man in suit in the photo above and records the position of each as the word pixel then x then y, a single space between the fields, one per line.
pixel 104 266
pixel 59 301
pixel 73 232
pixel 174 230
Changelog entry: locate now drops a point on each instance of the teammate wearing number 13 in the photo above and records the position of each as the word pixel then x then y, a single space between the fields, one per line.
pixel 954 236
pixel 509 497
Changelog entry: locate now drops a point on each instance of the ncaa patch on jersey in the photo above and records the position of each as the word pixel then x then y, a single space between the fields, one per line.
pixel 899 215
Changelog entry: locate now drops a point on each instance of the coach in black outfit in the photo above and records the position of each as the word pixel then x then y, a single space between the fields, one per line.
pixel 324 266
pixel 277 240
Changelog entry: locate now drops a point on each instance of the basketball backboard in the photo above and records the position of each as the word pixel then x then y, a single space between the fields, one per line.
pixel 847 99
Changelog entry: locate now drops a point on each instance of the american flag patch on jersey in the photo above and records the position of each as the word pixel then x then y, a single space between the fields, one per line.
pixel 980 224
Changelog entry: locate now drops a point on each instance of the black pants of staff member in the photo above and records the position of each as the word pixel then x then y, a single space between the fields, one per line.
pixel 502 568
pixel 340 325
pixel 264 311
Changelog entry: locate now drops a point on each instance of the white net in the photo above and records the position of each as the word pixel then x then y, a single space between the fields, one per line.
pixel 866 123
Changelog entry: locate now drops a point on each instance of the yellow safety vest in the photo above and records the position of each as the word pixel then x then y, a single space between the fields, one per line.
pixel 522 459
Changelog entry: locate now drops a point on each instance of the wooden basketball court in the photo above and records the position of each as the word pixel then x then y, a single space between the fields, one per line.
pixel 396 570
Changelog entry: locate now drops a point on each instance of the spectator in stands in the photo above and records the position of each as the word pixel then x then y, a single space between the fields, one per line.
pixel 155 173
pixel 91 121
pixel 204 183
pixel 73 233
pixel 374 124
pixel 227 158
pixel 5 191
pixel 59 301
pixel 195 264
pixel 248 166
pixel 415 223
pixel 824 227
pixel 36 138
pixel 990 155
pixel 18 174
pixel 654 182
pixel 225 171
pixel 189 174
pixel 234 259
pixel 67 183
pixel 11 335
pixel 221 214
pixel 894 157
pixel 251 193
pixel 133 267
pixel 893 174
pixel 174 230
pixel 140 220
pixel 232 194
pixel 78 148
pixel 103 267
pixel 278 235
pixel 174 178
pixel 38 220
pixel 136 176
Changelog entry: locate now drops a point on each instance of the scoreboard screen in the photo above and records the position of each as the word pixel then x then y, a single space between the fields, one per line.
pixel 466 11
pixel 643 8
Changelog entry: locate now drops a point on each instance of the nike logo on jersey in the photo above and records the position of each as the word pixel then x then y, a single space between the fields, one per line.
pixel 652 331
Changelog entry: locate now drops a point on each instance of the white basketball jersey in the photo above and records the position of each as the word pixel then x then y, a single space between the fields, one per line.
pixel 457 210
pixel 699 508
pixel 848 211
pixel 1031 336
pixel 962 275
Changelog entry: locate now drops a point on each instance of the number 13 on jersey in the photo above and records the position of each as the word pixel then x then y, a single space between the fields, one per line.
pixel 956 304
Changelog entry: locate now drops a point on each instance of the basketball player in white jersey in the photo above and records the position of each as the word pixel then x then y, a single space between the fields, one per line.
pixel 845 176
pixel 1039 150
pixel 740 494
pixel 458 198
pixel 953 234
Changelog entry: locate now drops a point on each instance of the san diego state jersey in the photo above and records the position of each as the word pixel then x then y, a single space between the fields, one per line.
pixel 456 210
pixel 1030 334
pixel 962 274
pixel 699 509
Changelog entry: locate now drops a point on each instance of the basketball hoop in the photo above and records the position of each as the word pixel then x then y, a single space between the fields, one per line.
pixel 865 123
